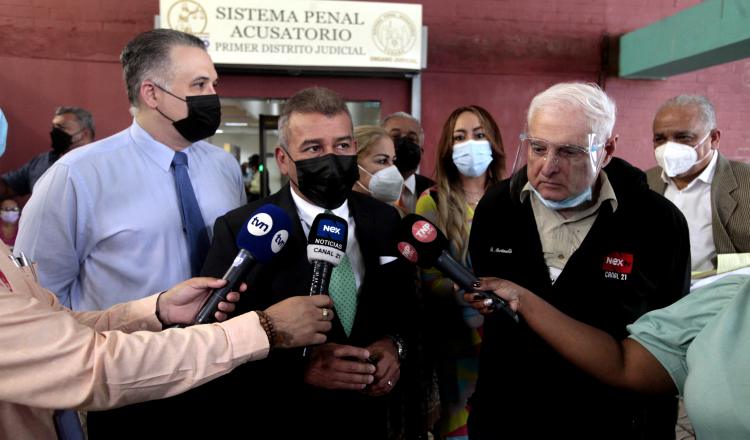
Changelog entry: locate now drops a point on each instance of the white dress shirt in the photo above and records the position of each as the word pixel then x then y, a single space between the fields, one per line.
pixel 695 203
pixel 307 213
pixel 408 196
pixel 104 221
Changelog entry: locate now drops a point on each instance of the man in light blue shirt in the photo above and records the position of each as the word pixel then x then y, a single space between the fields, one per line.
pixel 111 217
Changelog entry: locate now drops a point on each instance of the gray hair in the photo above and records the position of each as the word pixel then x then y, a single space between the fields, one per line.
pixel 310 100
pixel 404 115
pixel 706 110
pixel 147 57
pixel 598 108
pixel 84 117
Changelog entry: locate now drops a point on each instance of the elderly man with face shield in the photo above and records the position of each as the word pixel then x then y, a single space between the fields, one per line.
pixel 581 229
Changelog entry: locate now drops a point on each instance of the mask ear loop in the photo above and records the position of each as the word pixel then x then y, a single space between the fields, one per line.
pixel 710 150
pixel 595 150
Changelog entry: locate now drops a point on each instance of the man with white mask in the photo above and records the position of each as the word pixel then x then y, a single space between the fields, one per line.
pixel 582 227
pixel 712 191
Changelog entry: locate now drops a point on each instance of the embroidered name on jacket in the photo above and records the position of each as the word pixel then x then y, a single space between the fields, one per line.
pixel 497 250
pixel 617 265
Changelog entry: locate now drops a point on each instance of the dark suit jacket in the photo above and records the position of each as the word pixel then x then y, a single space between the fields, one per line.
pixel 273 402
pixel 422 184
pixel 730 203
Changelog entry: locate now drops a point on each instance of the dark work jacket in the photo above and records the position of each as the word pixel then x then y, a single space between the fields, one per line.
pixel 633 260
pixel 268 399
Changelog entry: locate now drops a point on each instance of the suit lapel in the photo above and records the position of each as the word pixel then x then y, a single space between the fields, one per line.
pixel 723 204
pixel 655 182
pixel 286 203
pixel 726 183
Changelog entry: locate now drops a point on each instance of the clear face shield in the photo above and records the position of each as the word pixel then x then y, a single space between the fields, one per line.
pixel 532 150
pixel 579 164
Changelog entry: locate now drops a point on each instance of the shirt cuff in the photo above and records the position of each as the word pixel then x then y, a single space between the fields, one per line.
pixel 141 315
pixel 247 337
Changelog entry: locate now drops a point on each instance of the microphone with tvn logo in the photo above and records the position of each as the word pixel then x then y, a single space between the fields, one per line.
pixel 421 243
pixel 326 246
pixel 262 237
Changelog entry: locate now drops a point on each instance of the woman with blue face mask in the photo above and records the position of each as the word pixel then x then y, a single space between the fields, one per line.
pixel 470 157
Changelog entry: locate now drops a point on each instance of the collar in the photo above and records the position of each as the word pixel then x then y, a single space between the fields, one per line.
pixel 307 211
pixel 411 183
pixel 707 176
pixel 161 154
pixel 606 193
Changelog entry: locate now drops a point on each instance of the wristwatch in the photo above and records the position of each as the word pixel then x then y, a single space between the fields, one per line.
pixel 400 345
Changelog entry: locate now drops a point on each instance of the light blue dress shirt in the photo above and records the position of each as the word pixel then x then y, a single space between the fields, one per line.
pixel 104 222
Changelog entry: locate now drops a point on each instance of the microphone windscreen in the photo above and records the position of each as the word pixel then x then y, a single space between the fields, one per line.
pixel 265 233
pixel 420 242
pixel 327 240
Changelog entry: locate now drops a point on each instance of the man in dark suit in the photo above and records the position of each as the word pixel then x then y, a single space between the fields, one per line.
pixel 408 138
pixel 342 389
pixel 711 191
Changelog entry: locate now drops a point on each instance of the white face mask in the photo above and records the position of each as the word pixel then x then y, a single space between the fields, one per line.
pixel 386 184
pixel 9 216
pixel 472 157
pixel 675 158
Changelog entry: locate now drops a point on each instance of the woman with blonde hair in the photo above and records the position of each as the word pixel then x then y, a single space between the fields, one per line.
pixel 470 157
pixel 378 176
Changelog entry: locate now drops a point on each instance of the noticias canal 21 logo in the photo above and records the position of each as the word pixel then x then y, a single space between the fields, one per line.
pixel 331 230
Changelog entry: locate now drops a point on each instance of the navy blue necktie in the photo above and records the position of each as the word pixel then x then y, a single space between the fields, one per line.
pixel 68 425
pixel 192 219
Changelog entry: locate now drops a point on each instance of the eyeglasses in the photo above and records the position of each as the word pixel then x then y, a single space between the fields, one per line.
pixel 10 209
pixel 539 148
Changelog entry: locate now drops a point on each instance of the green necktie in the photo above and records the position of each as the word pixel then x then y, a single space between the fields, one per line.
pixel 343 292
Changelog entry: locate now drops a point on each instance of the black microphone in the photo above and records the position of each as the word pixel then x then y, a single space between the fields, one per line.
pixel 422 243
pixel 326 246
pixel 262 237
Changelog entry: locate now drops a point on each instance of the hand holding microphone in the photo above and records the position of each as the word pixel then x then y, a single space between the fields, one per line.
pixel 422 243
pixel 263 236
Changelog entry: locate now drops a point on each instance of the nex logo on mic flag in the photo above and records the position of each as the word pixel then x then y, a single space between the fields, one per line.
pixel 620 262
pixel 331 230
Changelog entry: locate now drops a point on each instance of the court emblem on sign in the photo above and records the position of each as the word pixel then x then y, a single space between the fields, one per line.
pixel 187 16
pixel 394 33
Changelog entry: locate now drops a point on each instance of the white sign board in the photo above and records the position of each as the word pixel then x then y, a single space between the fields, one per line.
pixel 342 35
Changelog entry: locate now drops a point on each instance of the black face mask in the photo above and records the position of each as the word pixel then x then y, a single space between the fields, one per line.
pixel 61 140
pixel 204 116
pixel 408 155
pixel 327 180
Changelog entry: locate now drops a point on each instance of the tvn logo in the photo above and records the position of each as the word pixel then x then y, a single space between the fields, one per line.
pixel 260 224
pixel 331 230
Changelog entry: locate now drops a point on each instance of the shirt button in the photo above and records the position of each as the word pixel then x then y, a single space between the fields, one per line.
pixel 561 257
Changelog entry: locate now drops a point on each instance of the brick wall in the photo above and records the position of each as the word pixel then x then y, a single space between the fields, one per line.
pixel 495 53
